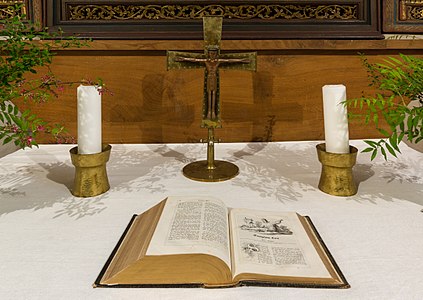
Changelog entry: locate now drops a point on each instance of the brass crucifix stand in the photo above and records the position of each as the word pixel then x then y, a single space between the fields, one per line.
pixel 211 60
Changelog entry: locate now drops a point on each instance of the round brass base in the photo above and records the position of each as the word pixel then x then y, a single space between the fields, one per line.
pixel 198 171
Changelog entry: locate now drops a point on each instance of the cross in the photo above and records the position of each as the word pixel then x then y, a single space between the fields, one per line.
pixel 211 60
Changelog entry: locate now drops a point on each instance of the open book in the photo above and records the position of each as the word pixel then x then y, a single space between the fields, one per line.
pixel 195 241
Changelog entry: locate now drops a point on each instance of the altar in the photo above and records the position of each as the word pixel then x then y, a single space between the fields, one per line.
pixel 53 245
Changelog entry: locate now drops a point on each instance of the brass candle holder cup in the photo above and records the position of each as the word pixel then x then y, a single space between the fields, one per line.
pixel 90 172
pixel 337 177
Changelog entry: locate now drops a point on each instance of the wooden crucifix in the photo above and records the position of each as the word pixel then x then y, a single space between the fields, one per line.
pixel 211 60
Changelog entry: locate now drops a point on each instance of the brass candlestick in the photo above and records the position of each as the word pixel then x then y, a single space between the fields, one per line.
pixel 337 177
pixel 90 172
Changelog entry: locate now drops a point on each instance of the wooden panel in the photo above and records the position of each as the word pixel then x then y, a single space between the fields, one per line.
pixel 281 101
pixel 146 46
pixel 32 9
pixel 403 16
pixel 181 19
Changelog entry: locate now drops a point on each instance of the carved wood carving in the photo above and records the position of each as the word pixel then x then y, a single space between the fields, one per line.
pixel 403 16
pixel 31 9
pixel 181 19
pixel 411 10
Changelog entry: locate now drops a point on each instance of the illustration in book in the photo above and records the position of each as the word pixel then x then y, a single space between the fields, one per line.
pixel 266 226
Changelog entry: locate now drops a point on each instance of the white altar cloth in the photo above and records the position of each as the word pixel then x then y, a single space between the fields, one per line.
pixel 53 245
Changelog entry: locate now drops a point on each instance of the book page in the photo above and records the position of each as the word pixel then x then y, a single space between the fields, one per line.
pixel 273 244
pixel 192 225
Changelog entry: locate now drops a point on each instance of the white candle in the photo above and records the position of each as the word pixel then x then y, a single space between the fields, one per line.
pixel 335 119
pixel 89 120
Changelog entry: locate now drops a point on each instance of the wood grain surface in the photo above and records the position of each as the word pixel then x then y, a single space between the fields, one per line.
pixel 282 101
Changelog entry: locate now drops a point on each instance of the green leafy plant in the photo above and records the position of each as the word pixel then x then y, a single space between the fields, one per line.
pixel 398 82
pixel 25 51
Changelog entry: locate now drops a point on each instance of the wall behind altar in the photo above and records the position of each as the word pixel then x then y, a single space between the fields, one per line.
pixel 281 101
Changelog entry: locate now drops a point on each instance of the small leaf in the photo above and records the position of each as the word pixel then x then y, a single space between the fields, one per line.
pixel 7 140
pixel 371 143
pixel 416 121
pixel 26 113
pixel 401 136
pixel 384 132
pixel 398 62
pixel 393 140
pixel 409 123
pixel 7 117
pixel 376 119
pixel 374 154
pixel 391 150
pixel 17 121
pixel 402 126
pixel 383 153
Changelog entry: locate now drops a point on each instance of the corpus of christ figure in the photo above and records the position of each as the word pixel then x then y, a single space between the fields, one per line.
pixel 212 63
pixel 211 60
